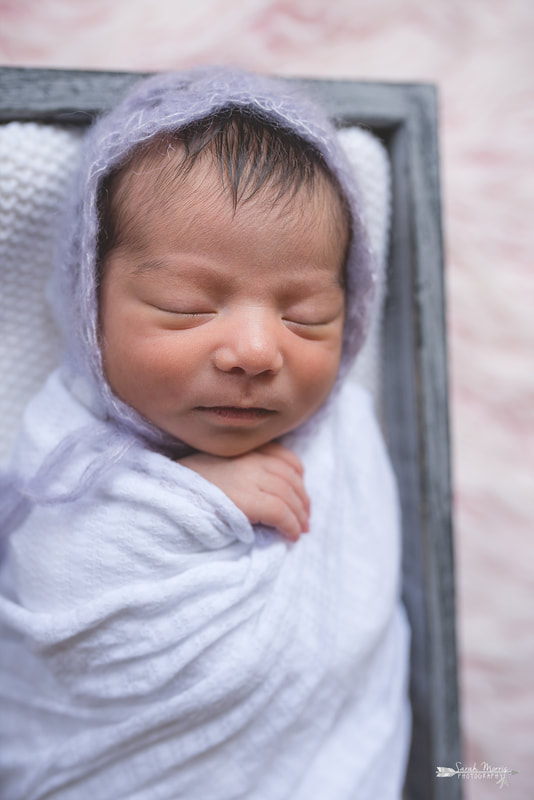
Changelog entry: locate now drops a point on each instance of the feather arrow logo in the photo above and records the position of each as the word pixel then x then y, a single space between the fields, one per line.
pixel 487 772
pixel 445 772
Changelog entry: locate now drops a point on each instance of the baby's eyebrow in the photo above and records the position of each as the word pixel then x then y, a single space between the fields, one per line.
pixel 204 274
pixel 184 267
pixel 150 265
pixel 191 269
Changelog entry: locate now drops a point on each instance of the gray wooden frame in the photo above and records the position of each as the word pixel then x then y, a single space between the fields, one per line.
pixel 415 398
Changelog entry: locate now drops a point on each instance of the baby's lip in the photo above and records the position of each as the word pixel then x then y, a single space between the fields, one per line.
pixel 236 415
pixel 237 408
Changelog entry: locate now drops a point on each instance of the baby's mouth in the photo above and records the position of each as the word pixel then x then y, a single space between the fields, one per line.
pixel 237 412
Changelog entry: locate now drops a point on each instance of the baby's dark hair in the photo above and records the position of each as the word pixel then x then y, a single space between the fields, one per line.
pixel 253 155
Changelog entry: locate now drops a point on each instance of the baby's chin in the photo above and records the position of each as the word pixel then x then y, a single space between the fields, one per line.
pixel 229 446
pixel 229 449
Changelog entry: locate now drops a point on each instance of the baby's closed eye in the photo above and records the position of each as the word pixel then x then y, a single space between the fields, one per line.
pixel 180 312
pixel 311 319
pixel 322 312
pixel 174 317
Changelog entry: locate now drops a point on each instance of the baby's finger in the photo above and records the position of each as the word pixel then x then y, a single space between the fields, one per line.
pixel 279 488
pixel 282 470
pixel 276 513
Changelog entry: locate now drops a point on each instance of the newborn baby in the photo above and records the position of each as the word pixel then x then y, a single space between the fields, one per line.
pixel 166 632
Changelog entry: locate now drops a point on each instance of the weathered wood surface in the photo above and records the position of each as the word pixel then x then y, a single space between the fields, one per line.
pixel 415 389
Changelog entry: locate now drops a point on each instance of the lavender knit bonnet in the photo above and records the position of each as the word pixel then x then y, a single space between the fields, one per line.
pixel 166 103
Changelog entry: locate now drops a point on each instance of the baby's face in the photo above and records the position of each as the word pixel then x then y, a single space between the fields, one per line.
pixel 224 328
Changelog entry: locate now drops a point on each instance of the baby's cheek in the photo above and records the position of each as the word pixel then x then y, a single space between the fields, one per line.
pixel 319 367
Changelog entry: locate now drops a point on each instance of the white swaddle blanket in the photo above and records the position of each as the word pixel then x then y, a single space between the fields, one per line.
pixel 156 645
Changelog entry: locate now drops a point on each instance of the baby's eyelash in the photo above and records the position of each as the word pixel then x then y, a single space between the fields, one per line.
pixel 302 322
pixel 184 313
pixel 310 323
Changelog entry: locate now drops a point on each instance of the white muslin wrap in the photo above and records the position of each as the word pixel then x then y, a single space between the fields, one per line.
pixel 156 645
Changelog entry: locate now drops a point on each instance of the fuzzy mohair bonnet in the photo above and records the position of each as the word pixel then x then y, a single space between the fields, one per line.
pixel 164 104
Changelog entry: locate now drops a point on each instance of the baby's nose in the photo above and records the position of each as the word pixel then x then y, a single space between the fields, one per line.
pixel 250 344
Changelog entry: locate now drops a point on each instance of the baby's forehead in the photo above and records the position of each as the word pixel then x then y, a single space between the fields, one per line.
pixel 161 179
pixel 161 207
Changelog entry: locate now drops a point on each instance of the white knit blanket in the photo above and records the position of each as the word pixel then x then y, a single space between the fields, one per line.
pixel 156 645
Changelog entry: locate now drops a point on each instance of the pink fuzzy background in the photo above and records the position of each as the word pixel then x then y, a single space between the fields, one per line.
pixel 480 53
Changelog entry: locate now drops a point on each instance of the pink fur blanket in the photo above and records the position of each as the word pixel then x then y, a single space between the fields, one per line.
pixel 480 54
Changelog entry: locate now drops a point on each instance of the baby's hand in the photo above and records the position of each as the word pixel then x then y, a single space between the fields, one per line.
pixel 266 484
